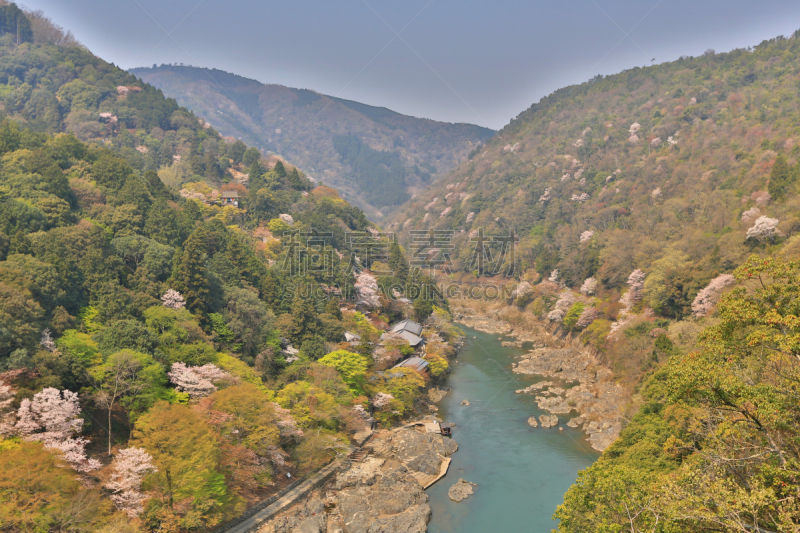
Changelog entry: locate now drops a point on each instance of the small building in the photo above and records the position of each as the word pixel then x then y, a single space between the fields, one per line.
pixel 410 331
pixel 351 337
pixel 415 363
pixel 447 429
pixel 230 198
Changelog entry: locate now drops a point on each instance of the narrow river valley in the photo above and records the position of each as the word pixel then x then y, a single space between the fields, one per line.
pixel 522 472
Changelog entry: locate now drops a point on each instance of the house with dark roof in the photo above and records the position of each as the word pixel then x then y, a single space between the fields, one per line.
pixel 415 363
pixel 410 331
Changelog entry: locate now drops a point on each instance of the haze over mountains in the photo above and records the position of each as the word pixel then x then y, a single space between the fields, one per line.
pixel 376 157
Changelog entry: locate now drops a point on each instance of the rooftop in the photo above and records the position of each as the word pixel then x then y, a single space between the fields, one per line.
pixel 408 325
pixel 416 363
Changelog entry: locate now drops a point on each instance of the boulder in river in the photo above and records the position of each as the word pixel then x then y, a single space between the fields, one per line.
pixel 532 422
pixel 464 402
pixel 460 490
pixel 548 421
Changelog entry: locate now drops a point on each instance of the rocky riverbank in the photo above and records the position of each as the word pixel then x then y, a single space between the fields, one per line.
pixel 578 382
pixel 383 493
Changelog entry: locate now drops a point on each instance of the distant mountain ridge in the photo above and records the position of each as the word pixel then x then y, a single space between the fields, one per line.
pixel 376 157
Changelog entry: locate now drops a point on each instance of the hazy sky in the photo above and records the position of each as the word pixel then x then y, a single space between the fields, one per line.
pixel 456 60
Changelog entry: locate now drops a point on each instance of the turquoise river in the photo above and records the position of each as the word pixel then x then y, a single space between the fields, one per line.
pixel 521 472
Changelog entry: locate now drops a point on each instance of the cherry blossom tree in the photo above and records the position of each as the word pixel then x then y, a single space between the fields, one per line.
pixel 764 229
pixel 589 315
pixel 586 236
pixel 53 418
pixel 553 276
pixel 751 214
pixel 589 286
pixel 381 400
pixel 173 300
pixel 286 423
pixel 761 197
pixel 7 414
pixel 197 381
pixel 130 466
pixel 565 301
pixel 707 298
pixel 580 198
pixel 47 341
pixel 546 196
pixel 636 284
pixel 367 288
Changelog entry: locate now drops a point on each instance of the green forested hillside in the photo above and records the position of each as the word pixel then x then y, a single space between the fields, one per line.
pixel 632 199
pixel 304 126
pixel 166 361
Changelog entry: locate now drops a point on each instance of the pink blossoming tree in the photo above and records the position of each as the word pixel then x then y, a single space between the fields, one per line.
pixel 129 468
pixel 53 418
pixel 707 298
pixel 197 381
pixel 172 299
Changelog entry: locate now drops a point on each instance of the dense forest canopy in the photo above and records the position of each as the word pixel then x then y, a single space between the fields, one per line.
pixel 173 308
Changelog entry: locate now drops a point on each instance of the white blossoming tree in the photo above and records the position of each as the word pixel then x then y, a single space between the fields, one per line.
pixel 589 315
pixel 287 424
pixel 707 298
pixel 381 400
pixel 589 286
pixel 53 418
pixel 635 293
pixel 7 415
pixel 565 301
pixel 172 299
pixel 764 229
pixel 129 468
pixel 197 381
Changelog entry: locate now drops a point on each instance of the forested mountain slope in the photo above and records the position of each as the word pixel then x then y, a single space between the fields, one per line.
pixel 633 198
pixel 168 359
pixel 378 158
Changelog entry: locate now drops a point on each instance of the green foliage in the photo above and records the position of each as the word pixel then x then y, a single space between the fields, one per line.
pixel 351 366
pixel 186 453
pixel 423 308
pixel 38 492
pixel 313 348
pixel 242 371
pixel 679 463
pixel 309 404
pixel 780 178
pixel 573 314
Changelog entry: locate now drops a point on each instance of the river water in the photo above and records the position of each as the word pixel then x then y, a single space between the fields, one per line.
pixel 522 472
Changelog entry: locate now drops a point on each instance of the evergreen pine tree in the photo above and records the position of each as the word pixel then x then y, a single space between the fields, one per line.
pixel 295 181
pixel 190 276
pixel 780 178
pixel 397 262
pixel 156 186
pixel 279 170
pixel 161 223
pixel 304 317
